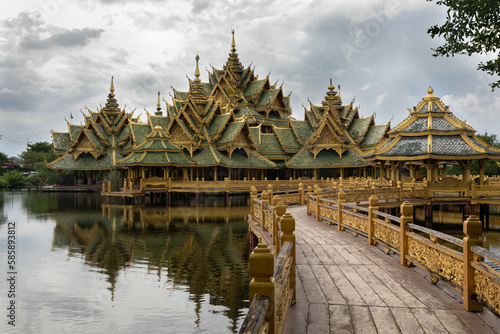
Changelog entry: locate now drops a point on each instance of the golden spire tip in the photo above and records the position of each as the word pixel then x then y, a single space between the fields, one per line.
pixel 197 71
pixel 430 90
pixel 112 89
pixel 233 43
pixel 158 103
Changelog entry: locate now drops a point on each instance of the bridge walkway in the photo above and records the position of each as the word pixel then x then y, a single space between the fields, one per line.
pixel 345 285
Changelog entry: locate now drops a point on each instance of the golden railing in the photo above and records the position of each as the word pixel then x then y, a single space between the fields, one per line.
pixel 469 268
pixel 272 289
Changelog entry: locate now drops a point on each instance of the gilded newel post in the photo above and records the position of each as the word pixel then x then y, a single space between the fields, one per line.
pixel 274 232
pixel 280 211
pixel 253 195
pixel 265 200
pixel 270 192
pixel 309 192
pixel 406 217
pixel 261 268
pixel 373 206
pixel 301 193
pixel 319 195
pixel 340 202
pixel 473 230
pixel 287 228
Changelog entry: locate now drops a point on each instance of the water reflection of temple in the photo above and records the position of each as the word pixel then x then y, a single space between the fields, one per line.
pixel 205 249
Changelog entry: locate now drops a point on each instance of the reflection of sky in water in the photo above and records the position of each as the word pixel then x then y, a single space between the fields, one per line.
pixel 59 293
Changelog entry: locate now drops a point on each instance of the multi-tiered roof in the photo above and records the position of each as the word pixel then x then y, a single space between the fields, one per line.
pixel 234 120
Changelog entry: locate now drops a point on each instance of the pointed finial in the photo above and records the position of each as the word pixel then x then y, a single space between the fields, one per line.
pixel 112 89
pixel 233 43
pixel 197 71
pixel 158 103
pixel 430 90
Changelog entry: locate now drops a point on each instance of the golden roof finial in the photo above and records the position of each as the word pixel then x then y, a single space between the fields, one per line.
pixel 430 90
pixel 197 71
pixel 233 43
pixel 158 103
pixel 112 89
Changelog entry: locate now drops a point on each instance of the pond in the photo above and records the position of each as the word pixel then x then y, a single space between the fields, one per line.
pixel 86 267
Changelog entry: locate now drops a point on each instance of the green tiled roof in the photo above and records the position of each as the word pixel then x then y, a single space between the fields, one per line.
pixel 140 131
pixel 359 126
pixel 84 162
pixel 163 121
pixel 325 159
pixel 255 135
pixel 101 131
pixel 123 134
pixel 61 141
pixel 287 139
pixel 93 138
pixel 302 129
pixel 374 135
pixel 242 161
pixel 74 131
pixel 205 157
pixel 207 87
pixel 267 97
pixel 218 122
pixel 312 118
pixel 231 130
pixel 254 87
pixel 181 95
pixel 270 143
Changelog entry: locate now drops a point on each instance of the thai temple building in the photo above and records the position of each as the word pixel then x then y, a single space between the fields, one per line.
pixel 239 126
pixel 236 125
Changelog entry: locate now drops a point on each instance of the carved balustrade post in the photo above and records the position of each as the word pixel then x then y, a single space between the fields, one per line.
pixel 253 195
pixel 275 222
pixel 261 268
pixel 473 229
pixel 109 187
pixel 287 228
pixel 104 187
pixel 373 206
pixel 125 185
pixel 319 195
pixel 277 184
pixel 301 193
pixel 399 190
pixel 265 200
pixel 141 184
pixel 309 192
pixel 280 211
pixel 406 217
pixel 341 201
pixel 270 192
pixel 130 186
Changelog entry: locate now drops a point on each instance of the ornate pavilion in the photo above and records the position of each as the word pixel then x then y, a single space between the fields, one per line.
pixel 235 125
pixel 431 137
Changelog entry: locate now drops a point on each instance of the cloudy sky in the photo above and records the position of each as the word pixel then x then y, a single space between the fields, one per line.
pixel 57 57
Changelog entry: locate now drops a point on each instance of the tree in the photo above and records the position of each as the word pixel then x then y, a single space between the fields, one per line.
pixel 35 157
pixel 471 27
pixel 3 158
pixel 13 179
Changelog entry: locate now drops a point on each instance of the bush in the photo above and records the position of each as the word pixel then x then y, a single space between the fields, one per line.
pixel 113 176
pixel 13 179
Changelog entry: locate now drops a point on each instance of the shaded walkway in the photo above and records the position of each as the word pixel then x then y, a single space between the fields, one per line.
pixel 346 286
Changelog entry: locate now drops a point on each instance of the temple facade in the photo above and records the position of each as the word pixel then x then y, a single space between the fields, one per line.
pixel 234 126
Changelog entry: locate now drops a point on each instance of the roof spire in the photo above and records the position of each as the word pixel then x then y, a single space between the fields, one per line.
pixel 112 88
pixel 197 71
pixel 233 43
pixel 158 108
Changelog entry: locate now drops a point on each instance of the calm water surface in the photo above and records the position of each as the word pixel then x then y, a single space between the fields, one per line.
pixel 84 267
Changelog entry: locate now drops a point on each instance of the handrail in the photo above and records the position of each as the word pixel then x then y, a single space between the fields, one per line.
pixel 467 269
pixel 255 322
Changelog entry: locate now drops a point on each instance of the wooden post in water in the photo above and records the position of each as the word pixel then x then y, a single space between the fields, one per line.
pixel 373 206
pixel 341 201
pixel 319 195
pixel 261 268
pixel 287 228
pixel 406 217
pixel 472 230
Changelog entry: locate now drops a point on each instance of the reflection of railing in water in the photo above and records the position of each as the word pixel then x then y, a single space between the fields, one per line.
pixel 467 271
pixel 272 289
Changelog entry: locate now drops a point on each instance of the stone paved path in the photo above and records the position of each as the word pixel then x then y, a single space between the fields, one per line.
pixel 346 286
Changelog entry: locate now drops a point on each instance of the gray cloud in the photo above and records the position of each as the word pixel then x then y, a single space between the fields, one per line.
pixel 68 38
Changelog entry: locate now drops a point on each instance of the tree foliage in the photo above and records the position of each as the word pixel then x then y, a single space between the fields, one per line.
pixel 13 179
pixel 35 157
pixel 471 27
